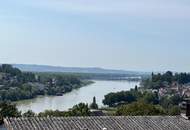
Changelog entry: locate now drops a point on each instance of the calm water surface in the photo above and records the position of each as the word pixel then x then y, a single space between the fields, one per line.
pixel 84 94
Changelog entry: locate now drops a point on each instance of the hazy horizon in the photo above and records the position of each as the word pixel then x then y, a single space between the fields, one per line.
pixel 146 35
pixel 98 67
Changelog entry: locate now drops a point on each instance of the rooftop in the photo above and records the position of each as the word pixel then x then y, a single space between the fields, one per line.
pixel 99 123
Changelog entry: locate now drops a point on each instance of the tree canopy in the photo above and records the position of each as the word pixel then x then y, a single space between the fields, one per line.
pixel 17 85
pixel 112 99
pixel 94 105
pixel 7 109
pixel 139 109
pixel 80 109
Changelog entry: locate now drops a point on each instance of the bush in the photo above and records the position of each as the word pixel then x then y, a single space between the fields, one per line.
pixel 175 110
pixel 139 109
pixel 29 113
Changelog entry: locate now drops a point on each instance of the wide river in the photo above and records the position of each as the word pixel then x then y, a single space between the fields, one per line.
pixel 84 94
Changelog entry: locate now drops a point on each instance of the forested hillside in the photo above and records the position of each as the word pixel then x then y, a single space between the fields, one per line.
pixel 16 85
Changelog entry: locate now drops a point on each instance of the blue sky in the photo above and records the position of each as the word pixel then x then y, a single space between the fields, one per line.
pixel 145 35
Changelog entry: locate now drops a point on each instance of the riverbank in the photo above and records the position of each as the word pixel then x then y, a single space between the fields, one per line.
pixel 16 85
pixel 83 84
pixel 84 94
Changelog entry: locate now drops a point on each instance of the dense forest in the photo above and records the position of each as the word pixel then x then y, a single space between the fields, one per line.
pixel 17 85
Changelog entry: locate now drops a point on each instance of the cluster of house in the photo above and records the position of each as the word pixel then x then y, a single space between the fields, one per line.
pixel 174 89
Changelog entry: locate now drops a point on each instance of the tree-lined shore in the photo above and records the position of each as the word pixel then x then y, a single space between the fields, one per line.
pixel 17 85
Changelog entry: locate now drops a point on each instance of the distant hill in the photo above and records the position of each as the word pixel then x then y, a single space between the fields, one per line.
pixel 46 68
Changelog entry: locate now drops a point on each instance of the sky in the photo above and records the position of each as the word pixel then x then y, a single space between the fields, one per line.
pixel 143 35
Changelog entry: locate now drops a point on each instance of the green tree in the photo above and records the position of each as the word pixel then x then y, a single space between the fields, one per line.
pixel 139 109
pixel 8 110
pixel 136 88
pixel 29 113
pixel 112 99
pixel 94 105
pixel 175 110
pixel 151 98
pixel 168 101
pixel 51 113
pixel 165 102
pixel 80 110
pixel 175 99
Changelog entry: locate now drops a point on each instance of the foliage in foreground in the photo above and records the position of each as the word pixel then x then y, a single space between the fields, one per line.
pixel 168 103
pixel 139 109
pixel 134 109
pixel 80 109
pixel 8 109
pixel 144 109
